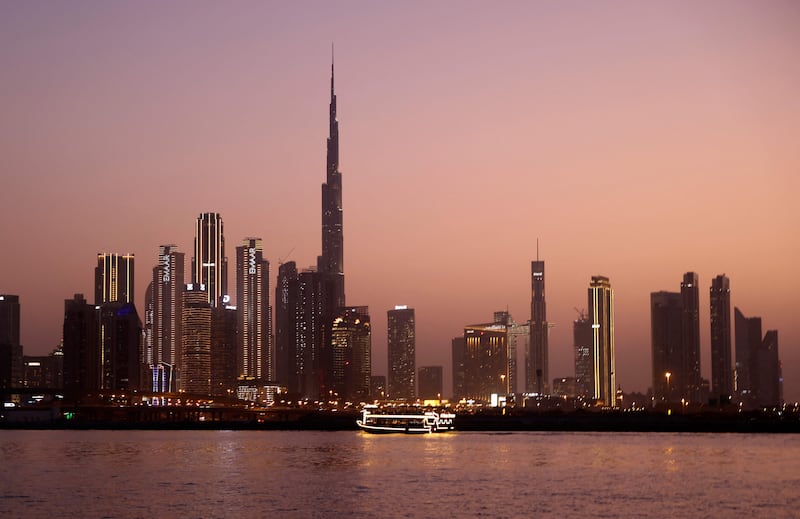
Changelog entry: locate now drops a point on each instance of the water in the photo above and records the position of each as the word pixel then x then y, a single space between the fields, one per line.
pixel 340 474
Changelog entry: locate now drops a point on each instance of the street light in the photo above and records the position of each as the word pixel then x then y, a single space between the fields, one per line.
pixel 668 375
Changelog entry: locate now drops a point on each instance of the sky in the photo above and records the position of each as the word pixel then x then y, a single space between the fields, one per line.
pixel 634 140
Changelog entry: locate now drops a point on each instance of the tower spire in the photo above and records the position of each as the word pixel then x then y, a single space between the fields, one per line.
pixel 332 70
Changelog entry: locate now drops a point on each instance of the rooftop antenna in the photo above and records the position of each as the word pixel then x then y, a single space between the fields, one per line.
pixel 537 249
pixel 280 261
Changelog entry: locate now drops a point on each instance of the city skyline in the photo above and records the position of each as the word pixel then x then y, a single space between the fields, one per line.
pixel 684 123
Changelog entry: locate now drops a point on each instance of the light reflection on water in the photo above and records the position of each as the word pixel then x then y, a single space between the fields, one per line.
pixel 336 474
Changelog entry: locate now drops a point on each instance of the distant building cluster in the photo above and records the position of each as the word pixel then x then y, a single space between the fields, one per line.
pixel 191 337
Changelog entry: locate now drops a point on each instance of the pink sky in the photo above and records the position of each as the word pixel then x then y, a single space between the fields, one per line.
pixel 636 140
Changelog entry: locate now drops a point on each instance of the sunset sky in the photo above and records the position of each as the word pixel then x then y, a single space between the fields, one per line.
pixel 635 140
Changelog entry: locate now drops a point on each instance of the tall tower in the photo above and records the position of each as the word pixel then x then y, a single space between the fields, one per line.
pixel 254 358
pixel 670 380
pixel 601 313
pixel 584 363
pixel 402 353
pixel 331 262
pixel 10 348
pixel 721 367
pixel 538 357
pixel 196 361
pixel 81 347
pixel 286 293
pixel 352 349
pixel 690 335
pixel 113 278
pixel 209 264
pixel 167 319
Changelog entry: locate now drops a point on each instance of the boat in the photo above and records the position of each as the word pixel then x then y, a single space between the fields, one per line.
pixel 419 423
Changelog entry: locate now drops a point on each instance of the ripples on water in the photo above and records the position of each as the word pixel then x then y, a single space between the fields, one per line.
pixel 338 474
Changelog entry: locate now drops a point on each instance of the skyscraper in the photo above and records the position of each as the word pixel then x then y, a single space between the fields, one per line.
pixel 459 356
pixel 113 278
pixel 486 361
pixel 168 286
pixel 224 348
pixel 430 382
pixel 254 355
pixel 601 313
pixel 584 359
pixel 669 377
pixel 351 338
pixel 120 347
pixel 402 353
pixel 286 294
pixel 309 328
pixel 721 365
pixel 690 335
pixel 209 264
pixel 11 363
pixel 81 347
pixel 768 378
pixel 748 339
pixel 196 362
pixel 331 262
pixel 538 344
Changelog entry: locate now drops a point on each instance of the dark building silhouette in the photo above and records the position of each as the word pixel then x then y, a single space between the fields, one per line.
pixel 748 340
pixel 538 343
pixel 377 387
pixel 209 264
pixel 402 353
pixel 196 363
pixel 675 339
pixel 565 387
pixel 601 314
pixel 113 278
pixel 167 288
pixel 120 347
pixel 44 371
pixel 81 347
pixel 224 347
pixel 767 377
pixel 254 354
pixel 721 361
pixel 430 382
pixel 286 307
pixel 584 356
pixel 11 362
pixel 352 349
pixel 690 331
pixel 459 357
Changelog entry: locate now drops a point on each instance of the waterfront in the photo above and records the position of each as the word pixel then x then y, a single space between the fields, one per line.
pixel 337 474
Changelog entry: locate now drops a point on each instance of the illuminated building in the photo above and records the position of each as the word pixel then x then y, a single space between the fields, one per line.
pixel 209 264
pixel 224 348
pixel 518 337
pixel 565 386
pixel 721 362
pixel 81 347
pixel 120 347
pixel 351 350
pixel 286 294
pixel 113 278
pixel 758 370
pixel 431 382
pixel 601 313
pixel 459 356
pixel 690 336
pixel 377 387
pixel 331 262
pixel 254 355
pixel 310 357
pixel 486 361
pixel 44 371
pixel 584 356
pixel 10 348
pixel 538 360
pixel 167 319
pixel 195 376
pixel 402 353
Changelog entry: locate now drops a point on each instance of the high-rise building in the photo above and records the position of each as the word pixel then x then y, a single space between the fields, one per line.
pixel 721 363
pixel 518 339
pixel 224 347
pixel 11 362
pixel 196 363
pixel 309 329
pixel 402 353
pixel 377 387
pixel 286 294
pixel 209 264
pixel 539 329
pixel 748 339
pixel 167 319
pixel 120 347
pixel 669 377
pixel 254 355
pixel 81 347
pixel 690 335
pixel 430 382
pixel 113 278
pixel 44 371
pixel 459 356
pixel 486 361
pixel 584 356
pixel 601 313
pixel 352 349
pixel 768 380
pixel 331 262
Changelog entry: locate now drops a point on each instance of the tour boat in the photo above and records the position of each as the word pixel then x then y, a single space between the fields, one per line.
pixel 421 423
